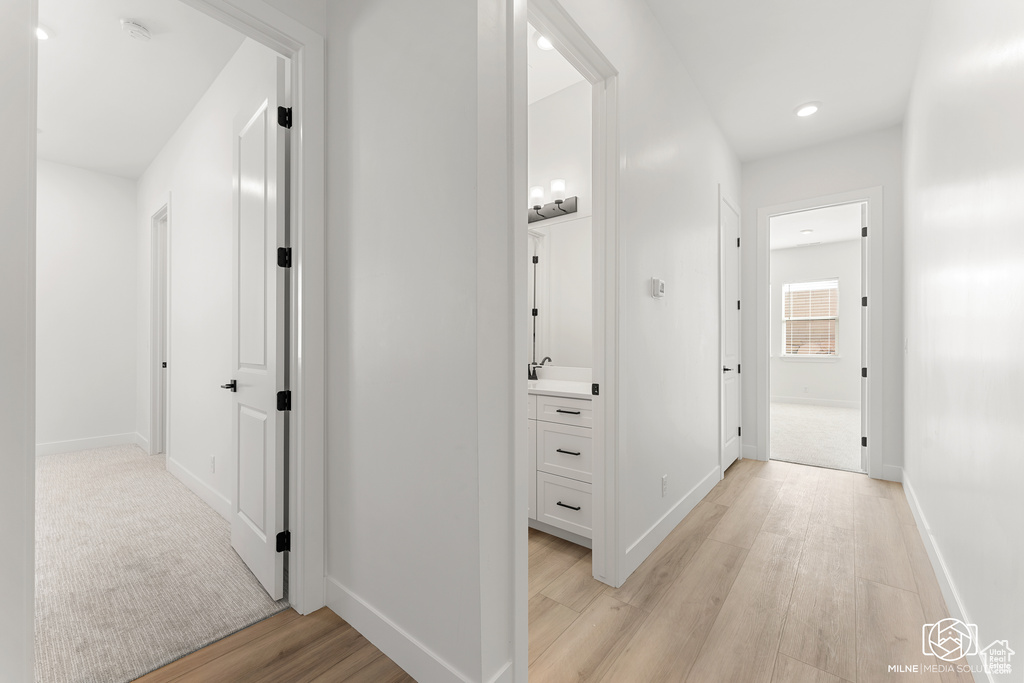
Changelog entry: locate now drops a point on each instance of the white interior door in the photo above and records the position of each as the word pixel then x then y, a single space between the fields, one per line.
pixel 729 232
pixel 258 426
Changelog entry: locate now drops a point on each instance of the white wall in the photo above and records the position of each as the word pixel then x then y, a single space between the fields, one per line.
pixel 420 357
pixel 855 163
pixel 17 347
pixel 821 381
pixel 86 320
pixel 672 158
pixel 195 170
pixel 560 146
pixel 964 272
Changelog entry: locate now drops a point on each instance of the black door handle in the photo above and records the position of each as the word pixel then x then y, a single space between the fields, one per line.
pixel 559 450
pixel 726 369
pixel 568 506
pixel 567 412
pixel 230 386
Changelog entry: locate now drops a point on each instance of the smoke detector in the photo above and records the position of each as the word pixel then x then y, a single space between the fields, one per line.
pixel 135 29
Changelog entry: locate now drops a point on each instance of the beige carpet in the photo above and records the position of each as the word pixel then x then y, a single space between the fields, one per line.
pixel 133 570
pixel 816 435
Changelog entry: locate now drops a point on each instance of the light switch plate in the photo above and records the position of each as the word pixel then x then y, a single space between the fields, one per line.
pixel 657 287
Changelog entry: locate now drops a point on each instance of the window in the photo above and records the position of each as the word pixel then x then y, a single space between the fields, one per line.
pixel 810 311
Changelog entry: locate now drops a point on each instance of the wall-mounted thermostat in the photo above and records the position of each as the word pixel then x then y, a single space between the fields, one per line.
pixel 657 288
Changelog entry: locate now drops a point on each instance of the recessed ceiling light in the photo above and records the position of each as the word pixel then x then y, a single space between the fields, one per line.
pixel 543 43
pixel 808 109
pixel 42 33
pixel 808 231
pixel 135 29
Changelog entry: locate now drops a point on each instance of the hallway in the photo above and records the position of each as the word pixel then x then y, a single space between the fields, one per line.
pixel 783 573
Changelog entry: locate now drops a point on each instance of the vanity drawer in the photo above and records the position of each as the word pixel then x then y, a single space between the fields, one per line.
pixel 568 411
pixel 558 499
pixel 531 406
pixel 565 450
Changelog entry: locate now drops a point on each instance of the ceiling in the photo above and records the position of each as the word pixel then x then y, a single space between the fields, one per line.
pixel 755 61
pixel 830 224
pixel 549 71
pixel 109 102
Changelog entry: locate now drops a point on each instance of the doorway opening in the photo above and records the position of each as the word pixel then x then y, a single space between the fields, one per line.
pixel 159 334
pixel 816 336
pixel 123 490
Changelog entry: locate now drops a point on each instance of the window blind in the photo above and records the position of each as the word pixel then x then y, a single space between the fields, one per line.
pixel 810 313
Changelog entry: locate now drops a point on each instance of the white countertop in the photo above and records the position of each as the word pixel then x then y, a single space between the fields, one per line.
pixel 559 387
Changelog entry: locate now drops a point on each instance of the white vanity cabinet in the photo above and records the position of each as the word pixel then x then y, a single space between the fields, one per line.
pixel 561 462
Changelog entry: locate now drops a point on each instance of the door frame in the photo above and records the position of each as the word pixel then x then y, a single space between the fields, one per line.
pixel 159 329
pixel 305 48
pixel 724 199
pixel 871 331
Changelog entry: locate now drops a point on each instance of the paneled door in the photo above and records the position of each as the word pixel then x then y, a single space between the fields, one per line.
pixel 260 325
pixel 729 289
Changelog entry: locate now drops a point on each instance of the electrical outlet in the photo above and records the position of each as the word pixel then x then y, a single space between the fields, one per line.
pixel 213 464
pixel 664 485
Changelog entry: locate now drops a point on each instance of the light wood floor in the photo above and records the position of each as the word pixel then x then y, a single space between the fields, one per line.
pixel 782 574
pixel 286 648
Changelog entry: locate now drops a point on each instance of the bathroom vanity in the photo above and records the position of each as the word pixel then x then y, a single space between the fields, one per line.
pixel 561 420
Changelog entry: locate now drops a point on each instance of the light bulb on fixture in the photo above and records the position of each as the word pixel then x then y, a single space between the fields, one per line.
pixel 537 197
pixel 808 109
pixel 544 43
pixel 558 190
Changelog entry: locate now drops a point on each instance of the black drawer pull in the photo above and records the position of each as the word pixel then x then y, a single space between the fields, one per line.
pixel 559 450
pixel 567 412
pixel 577 508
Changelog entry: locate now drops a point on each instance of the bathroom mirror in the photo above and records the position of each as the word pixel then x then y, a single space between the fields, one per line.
pixel 564 320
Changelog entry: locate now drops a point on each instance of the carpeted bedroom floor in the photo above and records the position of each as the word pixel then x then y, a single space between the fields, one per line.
pixel 133 570
pixel 816 435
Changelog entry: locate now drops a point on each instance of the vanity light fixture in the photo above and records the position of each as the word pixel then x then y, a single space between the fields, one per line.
pixel 560 205
pixel 807 109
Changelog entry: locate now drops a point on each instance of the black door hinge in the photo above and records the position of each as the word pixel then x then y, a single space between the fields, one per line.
pixel 864 301
pixel 595 389
pixel 536 259
pixel 737 305
pixel 737 241
pixel 284 117
pixel 863 372
pixel 864 232
pixel 534 312
pixel 864 441
pixel 284 257
pixel 164 364
pixel 739 431
pixel 284 541
pixel 739 368
pixel 284 400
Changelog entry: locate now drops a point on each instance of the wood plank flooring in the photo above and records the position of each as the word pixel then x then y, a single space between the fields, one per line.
pixel 783 574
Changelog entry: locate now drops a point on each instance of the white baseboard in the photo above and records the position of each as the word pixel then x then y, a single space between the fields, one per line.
pixel 645 545
pixel 892 473
pixel 749 452
pixel 55 447
pixel 946 585
pixel 827 402
pixel 561 533
pixel 142 442
pixel 199 487
pixel 413 656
